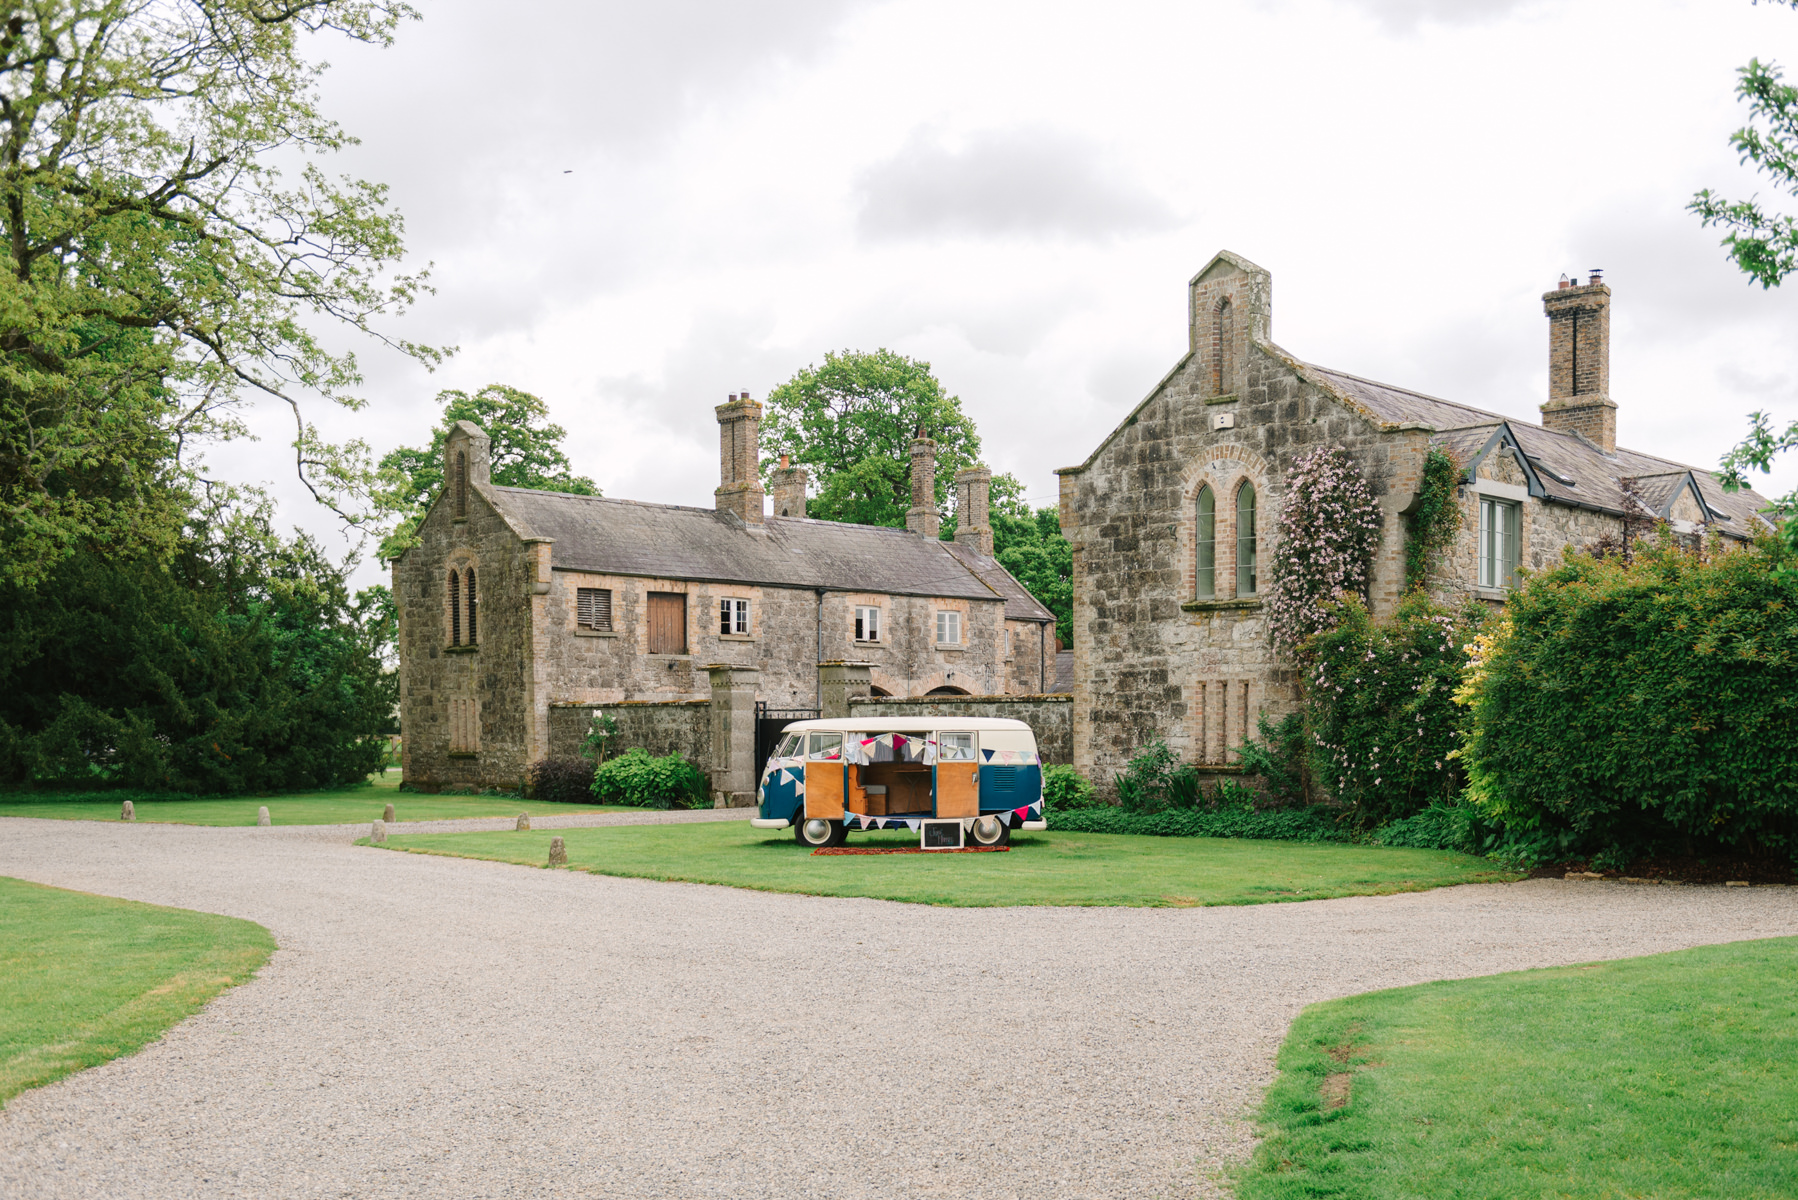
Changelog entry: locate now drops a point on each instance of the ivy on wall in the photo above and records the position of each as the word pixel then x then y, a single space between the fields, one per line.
pixel 1436 521
pixel 1329 527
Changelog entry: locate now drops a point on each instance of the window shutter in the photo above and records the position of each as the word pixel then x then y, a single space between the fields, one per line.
pixel 594 608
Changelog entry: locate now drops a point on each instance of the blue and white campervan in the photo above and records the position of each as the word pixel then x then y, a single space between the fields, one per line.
pixel 828 777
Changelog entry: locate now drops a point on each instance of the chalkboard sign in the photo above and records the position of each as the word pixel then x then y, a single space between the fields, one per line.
pixel 940 835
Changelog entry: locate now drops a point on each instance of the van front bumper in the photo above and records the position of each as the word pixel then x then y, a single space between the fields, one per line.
pixel 1034 826
pixel 769 823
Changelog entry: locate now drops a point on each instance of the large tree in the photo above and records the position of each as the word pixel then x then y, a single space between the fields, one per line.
pixel 526 453
pixel 158 269
pixel 1764 244
pixel 852 420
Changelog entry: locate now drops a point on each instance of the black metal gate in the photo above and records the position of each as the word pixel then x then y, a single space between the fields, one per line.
pixel 769 724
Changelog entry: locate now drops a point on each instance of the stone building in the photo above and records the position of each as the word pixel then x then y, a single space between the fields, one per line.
pixel 516 601
pixel 1173 516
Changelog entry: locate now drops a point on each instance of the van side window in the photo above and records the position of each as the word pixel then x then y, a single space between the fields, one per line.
pixel 790 745
pixel 955 747
pixel 826 746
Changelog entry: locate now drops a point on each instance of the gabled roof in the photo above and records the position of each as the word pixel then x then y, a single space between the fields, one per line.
pixel 666 541
pixel 1563 467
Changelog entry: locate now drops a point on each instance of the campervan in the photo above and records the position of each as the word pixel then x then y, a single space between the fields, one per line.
pixel 827 778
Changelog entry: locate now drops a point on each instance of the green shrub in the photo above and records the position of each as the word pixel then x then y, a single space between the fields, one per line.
pixel 1156 781
pixel 1382 710
pixel 635 777
pixel 1065 788
pixel 1634 707
pixel 1279 759
pixel 1438 827
pixel 563 780
pixel 1309 824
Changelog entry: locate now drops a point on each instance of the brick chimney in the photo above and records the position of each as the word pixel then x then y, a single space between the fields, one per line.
pixel 923 519
pixel 739 459
pixel 789 489
pixel 973 497
pixel 1579 361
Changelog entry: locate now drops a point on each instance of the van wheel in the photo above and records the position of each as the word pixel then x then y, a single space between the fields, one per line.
pixel 990 831
pixel 818 833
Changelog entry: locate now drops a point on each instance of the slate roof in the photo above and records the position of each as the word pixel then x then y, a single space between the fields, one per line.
pixel 626 537
pixel 1567 468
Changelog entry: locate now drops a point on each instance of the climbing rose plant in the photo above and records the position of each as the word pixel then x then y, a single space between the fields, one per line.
pixel 1329 526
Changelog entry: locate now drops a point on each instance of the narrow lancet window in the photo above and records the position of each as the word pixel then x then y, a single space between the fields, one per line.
pixel 461 483
pixel 1205 544
pixel 472 637
pixel 455 607
pixel 1245 540
pixel 1221 330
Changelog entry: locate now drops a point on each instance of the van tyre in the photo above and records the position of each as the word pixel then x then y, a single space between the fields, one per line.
pixel 818 833
pixel 989 831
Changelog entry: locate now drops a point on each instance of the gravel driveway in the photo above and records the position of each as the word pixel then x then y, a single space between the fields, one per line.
pixel 445 1027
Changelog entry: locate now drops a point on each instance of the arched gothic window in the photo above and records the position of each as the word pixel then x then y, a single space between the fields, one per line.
pixel 455 607
pixel 472 636
pixel 1245 539
pixel 1205 543
pixel 461 483
pixel 1221 329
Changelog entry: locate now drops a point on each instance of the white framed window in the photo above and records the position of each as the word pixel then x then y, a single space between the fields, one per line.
pixel 867 623
pixel 733 617
pixel 948 629
pixel 825 747
pixel 955 747
pixel 1501 524
pixel 593 608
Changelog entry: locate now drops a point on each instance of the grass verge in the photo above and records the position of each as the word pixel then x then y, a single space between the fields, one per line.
pixel 342 807
pixel 1670 1076
pixel 1045 868
pixel 85 979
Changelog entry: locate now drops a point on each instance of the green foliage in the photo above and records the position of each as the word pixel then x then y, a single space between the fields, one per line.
pixel 1236 820
pixel 242 666
pixel 159 269
pixel 1064 789
pixel 1329 526
pixel 1629 707
pixel 1668 1076
pixel 852 421
pixel 1763 243
pixel 1382 710
pixel 1436 521
pixel 89 979
pixel 1441 826
pixel 563 780
pixel 526 453
pixel 1156 781
pixel 1031 547
pixel 1757 452
pixel 642 781
pixel 1281 759
pixel 602 735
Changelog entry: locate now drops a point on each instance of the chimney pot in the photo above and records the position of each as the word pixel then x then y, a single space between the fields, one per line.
pixel 783 462
pixel 1597 276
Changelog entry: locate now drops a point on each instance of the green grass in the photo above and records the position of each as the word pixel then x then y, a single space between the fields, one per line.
pixel 85 979
pixel 1666 1077
pixel 341 807
pixel 1043 868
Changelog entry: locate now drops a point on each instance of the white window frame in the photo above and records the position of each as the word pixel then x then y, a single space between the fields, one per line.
pixel 733 617
pixel 1501 534
pixel 867 622
pixel 948 621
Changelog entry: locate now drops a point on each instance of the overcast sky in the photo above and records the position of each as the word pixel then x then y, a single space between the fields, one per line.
pixel 637 209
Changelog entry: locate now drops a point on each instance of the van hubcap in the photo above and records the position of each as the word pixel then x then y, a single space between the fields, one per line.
pixel 986 830
pixel 817 831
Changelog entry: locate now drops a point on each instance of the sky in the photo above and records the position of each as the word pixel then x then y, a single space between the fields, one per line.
pixel 636 210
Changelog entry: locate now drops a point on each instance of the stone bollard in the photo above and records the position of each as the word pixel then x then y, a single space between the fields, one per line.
pixel 558 853
pixel 129 812
pixel 524 821
pixel 262 816
pixel 377 833
pixel 387 814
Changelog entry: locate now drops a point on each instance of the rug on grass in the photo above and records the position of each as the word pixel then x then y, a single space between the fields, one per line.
pixel 908 850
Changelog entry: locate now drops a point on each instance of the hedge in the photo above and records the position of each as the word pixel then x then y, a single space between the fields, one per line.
pixel 1311 824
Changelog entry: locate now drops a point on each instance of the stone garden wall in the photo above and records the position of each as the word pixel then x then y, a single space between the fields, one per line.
pixel 661 727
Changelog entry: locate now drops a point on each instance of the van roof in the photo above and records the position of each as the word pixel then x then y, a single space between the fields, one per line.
pixel 908 724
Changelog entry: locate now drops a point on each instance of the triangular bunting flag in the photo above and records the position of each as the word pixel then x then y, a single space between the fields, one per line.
pixel 911 823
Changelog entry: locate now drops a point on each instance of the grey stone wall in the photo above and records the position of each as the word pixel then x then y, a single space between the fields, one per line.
pixel 1049 717
pixel 660 727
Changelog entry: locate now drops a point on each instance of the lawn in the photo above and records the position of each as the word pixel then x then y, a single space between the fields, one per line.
pixel 1670 1076
pixel 342 807
pixel 1042 868
pixel 85 979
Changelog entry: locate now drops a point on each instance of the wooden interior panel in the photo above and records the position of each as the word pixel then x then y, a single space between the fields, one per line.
pixel 958 789
pixel 824 790
pixel 907 785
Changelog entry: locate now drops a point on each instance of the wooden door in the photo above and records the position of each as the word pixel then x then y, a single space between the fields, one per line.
pixel 957 789
pixel 667 623
pixel 824 790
